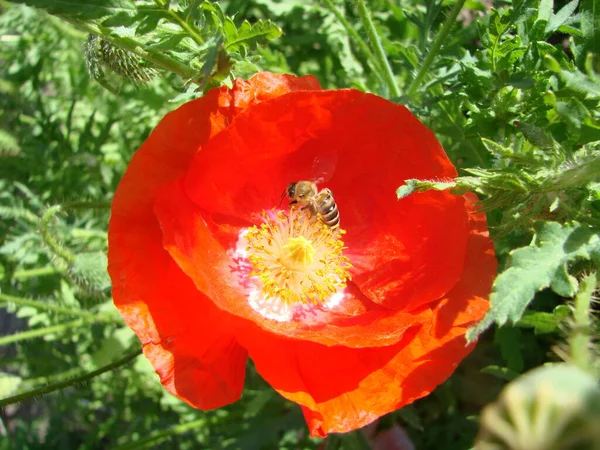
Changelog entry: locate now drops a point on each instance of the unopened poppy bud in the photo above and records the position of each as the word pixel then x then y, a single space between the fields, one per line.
pixel 550 408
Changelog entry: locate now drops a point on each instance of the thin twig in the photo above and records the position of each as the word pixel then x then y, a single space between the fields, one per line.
pixel 380 55
pixel 40 332
pixel 435 48
pixel 70 382
pixel 30 273
pixel 49 239
pixel 580 341
pixel 44 306
pixel 364 47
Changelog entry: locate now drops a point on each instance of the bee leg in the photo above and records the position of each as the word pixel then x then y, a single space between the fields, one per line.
pixel 311 209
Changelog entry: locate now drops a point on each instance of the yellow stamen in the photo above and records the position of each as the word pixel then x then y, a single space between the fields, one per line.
pixel 297 258
pixel 298 253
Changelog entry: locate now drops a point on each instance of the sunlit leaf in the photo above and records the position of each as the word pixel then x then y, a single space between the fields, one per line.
pixel 541 265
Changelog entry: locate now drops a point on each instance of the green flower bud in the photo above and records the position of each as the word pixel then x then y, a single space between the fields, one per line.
pixel 555 407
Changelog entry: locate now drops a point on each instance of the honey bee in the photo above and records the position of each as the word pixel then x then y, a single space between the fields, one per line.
pixel 320 203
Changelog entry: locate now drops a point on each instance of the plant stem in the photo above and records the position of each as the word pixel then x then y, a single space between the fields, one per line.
pixel 70 382
pixel 580 339
pixel 574 177
pixel 183 23
pixel 186 27
pixel 476 154
pixel 157 436
pixel 39 332
pixel 43 306
pixel 158 59
pixel 50 240
pixel 364 47
pixel 435 48
pixel 31 273
pixel 87 205
pixel 379 53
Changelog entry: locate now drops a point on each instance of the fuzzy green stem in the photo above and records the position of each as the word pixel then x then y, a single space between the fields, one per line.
pixel 50 240
pixel 157 436
pixel 580 343
pixel 82 233
pixel 575 177
pixel 70 382
pixel 30 273
pixel 40 332
pixel 43 306
pixel 52 378
pixel 379 53
pixel 183 24
pixel 460 130
pixel 87 205
pixel 356 37
pixel 186 27
pixel 435 48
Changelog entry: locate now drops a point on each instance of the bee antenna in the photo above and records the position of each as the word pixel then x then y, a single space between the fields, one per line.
pixel 283 194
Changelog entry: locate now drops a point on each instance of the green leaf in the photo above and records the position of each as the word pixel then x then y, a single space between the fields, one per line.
pixel 561 16
pixel 536 135
pixel 545 9
pixel 249 35
pixel 542 264
pixel 544 322
pixel 148 23
pixel 567 29
pixel 508 339
pixel 504 373
pixel 165 43
pixel 84 9
pixel 581 83
pixel 496 149
pixel 589 13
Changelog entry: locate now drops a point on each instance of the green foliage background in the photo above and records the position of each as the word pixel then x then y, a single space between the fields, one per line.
pixel 511 91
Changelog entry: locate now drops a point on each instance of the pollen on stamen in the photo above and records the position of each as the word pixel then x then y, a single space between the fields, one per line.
pixel 296 258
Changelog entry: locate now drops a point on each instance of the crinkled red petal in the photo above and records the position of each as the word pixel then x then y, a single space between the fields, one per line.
pixel 342 389
pixel 405 253
pixel 190 341
pixel 423 265
pixel 212 267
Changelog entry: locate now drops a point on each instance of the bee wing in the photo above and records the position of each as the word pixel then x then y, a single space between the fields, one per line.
pixel 323 168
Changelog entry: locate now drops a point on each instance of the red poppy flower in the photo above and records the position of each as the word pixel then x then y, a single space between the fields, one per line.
pixel 351 322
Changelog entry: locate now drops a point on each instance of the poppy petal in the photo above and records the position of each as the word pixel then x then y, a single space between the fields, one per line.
pixel 342 389
pixel 422 266
pixel 201 256
pixel 189 341
pixel 407 253
pixel 370 382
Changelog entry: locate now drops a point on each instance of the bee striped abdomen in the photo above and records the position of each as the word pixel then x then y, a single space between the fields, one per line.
pixel 327 209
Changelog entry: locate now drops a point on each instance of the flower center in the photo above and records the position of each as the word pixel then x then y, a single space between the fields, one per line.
pixel 298 253
pixel 297 258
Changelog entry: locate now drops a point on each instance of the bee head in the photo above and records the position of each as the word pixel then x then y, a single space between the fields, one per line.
pixel 291 189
